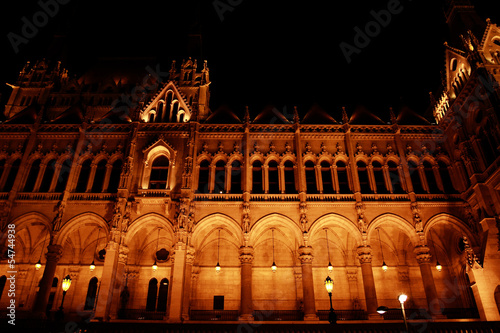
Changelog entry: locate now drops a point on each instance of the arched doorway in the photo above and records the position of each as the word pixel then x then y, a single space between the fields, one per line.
pixel 162 296
pixel 91 294
pixel 497 297
pixel 152 291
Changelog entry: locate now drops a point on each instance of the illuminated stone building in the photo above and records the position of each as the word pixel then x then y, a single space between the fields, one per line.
pixel 90 176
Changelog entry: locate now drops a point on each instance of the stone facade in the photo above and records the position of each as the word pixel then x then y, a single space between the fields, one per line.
pixel 126 175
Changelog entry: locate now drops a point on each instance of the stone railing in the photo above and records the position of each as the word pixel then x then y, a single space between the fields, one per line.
pixel 92 196
pixel 38 196
pixel 223 315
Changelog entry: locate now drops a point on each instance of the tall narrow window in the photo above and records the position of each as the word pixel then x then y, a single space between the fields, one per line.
pixel 203 177
pixel 431 179
pixel 159 112
pixel 47 176
pixel 152 291
pixel 236 177
pixel 378 173
pixel 91 294
pixel 14 168
pixel 310 171
pixel 114 178
pixel 487 146
pixel 342 177
pixel 159 173
pixel 83 178
pixel 257 177
pixel 3 280
pixel 32 176
pixel 100 174
pixel 289 178
pixel 220 177
pixel 394 177
pixel 162 296
pixel 273 174
pixel 445 178
pixel 62 178
pixel 415 177
pixel 364 183
pixel 326 178
pixel 2 167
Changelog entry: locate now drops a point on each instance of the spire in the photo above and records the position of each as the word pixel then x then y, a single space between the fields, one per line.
pixel 345 119
pixel 461 16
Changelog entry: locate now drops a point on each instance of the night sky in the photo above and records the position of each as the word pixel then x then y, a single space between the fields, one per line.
pixel 281 52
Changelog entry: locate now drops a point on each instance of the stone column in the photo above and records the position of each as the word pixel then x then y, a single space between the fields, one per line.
pixel 177 283
pixel 365 259
pixel 246 259
pixel 422 253
pixel 118 280
pixel 105 296
pixel 187 282
pixel 53 255
pixel 306 258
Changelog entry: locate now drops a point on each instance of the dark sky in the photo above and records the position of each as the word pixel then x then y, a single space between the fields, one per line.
pixel 262 52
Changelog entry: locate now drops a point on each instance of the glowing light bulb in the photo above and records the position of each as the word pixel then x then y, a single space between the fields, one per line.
pixel 155 267
pixel 38 265
pixel 384 267
pixel 92 266
pixel 439 267
pixel 274 267
pixel 217 268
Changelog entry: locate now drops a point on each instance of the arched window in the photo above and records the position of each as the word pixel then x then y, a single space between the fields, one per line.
pixel 32 176
pixel 100 174
pixel 3 280
pixel 326 178
pixel 114 178
pixel 168 106
pixel 364 183
pixel 445 178
pixel 83 178
pixel 378 174
pixel 415 177
pixel 159 112
pixel 152 291
pixel 343 179
pixel 62 179
pixel 2 167
pixel 220 177
pixel 236 177
pixel 91 294
pixel 394 177
pixel 257 177
pixel 431 179
pixel 159 173
pixel 47 176
pixel 487 146
pixel 162 296
pixel 203 177
pixel 310 171
pixel 274 178
pixel 289 178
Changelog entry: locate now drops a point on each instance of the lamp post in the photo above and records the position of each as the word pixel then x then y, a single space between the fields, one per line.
pixel 332 316
pixel 402 299
pixel 66 283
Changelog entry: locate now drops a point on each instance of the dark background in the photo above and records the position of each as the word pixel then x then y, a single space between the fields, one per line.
pixel 263 52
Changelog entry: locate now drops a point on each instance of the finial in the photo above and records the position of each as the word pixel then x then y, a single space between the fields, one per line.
pixel 393 116
pixel 345 119
pixel 295 115
pixel 246 118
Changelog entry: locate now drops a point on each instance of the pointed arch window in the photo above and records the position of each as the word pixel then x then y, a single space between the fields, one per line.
pixel 326 178
pixel 220 177
pixel 445 178
pixel 14 168
pixel 415 177
pixel 162 296
pixel 91 294
pixel 3 280
pixel 310 172
pixel 203 174
pixel 159 173
pixel 2 167
pixel 152 292
pixel 47 176
pixel 257 177
pixel 160 112
pixel 62 178
pixel 430 178
pixel 32 176
pixel 83 178
pixel 273 177
pixel 342 176
pixel 378 174
pixel 236 177
pixel 114 178
pixel 100 174
pixel 364 182
pixel 289 177
pixel 394 178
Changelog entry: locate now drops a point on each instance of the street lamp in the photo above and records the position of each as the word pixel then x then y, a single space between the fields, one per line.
pixel 384 265
pixel 332 317
pixel 330 266
pixel 66 283
pixel 402 299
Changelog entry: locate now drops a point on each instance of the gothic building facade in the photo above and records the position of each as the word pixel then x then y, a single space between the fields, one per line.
pixel 183 211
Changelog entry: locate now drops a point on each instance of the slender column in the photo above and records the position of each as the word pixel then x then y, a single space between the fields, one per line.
pixel 365 259
pixel 177 282
pixel 53 255
pixel 118 281
pixel 246 259
pixel 422 253
pixel 187 282
pixel 306 258
pixel 105 297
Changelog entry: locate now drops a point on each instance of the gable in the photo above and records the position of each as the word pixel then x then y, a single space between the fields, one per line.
pixel 168 106
pixel 457 71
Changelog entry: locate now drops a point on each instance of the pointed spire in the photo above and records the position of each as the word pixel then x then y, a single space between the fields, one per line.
pixel 296 118
pixel 345 118
pixel 393 116
pixel 246 118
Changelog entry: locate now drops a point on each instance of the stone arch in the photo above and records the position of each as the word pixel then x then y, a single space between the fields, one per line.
pixel 27 246
pixel 84 219
pixel 208 224
pixel 287 227
pixel 161 148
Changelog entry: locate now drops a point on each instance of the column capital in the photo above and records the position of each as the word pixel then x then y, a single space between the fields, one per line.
pixel 422 254
pixel 364 254
pixel 246 254
pixel 54 252
pixel 305 254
